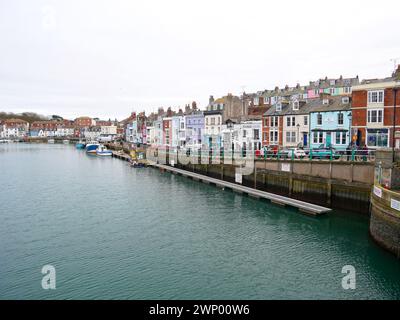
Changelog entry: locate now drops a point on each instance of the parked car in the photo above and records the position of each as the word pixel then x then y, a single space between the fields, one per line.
pixel 296 153
pixel 323 152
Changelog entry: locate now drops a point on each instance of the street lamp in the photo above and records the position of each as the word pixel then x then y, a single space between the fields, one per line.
pixel 350 116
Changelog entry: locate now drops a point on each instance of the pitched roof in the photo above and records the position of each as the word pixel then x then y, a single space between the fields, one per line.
pixel 311 105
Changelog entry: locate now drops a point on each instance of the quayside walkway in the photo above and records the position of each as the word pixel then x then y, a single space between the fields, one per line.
pixel 305 207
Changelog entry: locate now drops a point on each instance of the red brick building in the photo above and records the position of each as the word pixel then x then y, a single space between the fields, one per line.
pixel 167 131
pixel 374 122
pixel 272 129
pixel 84 122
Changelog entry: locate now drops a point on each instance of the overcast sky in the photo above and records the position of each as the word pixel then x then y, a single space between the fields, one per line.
pixel 108 58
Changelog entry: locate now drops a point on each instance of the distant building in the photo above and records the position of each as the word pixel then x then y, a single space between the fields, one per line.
pixel 212 128
pixel 194 124
pixel 373 117
pixel 84 122
pixel 232 107
pixel 167 134
pixel 178 131
pixel 14 128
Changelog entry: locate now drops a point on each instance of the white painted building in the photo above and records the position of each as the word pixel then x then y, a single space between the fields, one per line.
pixel 243 136
pixel 178 137
pixel 150 135
pixel 108 130
pixel 296 129
pixel 14 128
pixel 64 131
pixel 158 132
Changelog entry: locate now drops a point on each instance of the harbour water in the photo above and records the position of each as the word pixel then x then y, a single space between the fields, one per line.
pixel 114 232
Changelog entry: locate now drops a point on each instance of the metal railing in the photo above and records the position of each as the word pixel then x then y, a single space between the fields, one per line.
pixel 353 155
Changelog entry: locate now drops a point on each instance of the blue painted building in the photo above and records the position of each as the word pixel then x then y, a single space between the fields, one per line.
pixel 194 124
pixel 330 122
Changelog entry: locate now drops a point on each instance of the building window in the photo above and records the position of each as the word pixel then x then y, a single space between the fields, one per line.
pixel 295 105
pixel 318 137
pixel 347 90
pixel 332 91
pixel 274 121
pixel 212 121
pixel 290 137
pixel 319 119
pixel 265 136
pixel 279 107
pixel 244 133
pixel 378 138
pixel 291 121
pixel 375 96
pixel 316 92
pixel 340 137
pixel 256 133
pixel 306 120
pixel 265 122
pixel 273 136
pixel 375 116
pixel 340 119
pixel 345 100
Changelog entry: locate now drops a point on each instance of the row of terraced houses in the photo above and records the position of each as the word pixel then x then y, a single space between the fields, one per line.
pixel 82 127
pixel 330 112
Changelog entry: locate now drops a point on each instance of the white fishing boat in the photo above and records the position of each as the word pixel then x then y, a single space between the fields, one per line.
pixel 50 141
pixel 66 141
pixel 103 151
pixel 92 146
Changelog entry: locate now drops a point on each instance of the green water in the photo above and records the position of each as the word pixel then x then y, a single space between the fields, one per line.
pixel 114 232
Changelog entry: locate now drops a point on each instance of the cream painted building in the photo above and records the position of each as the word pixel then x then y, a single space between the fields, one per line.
pixel 295 124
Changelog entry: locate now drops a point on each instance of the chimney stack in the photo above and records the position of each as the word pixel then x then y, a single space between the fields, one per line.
pixel 396 74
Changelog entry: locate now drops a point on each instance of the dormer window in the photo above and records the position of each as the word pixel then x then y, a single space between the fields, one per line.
pixel 295 105
pixel 345 100
pixel 279 106
pixel 332 82
pixel 325 101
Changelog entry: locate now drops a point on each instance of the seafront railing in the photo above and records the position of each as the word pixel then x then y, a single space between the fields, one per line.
pixel 303 155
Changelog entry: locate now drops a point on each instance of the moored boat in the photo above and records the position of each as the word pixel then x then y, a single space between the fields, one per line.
pixel 91 147
pixel 66 141
pixel 50 141
pixel 103 151
pixel 80 145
